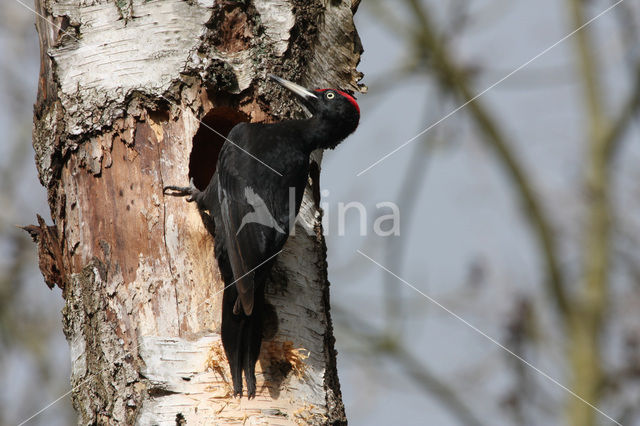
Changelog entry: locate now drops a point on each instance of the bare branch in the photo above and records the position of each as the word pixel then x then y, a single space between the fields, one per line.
pixel 453 77
pixel 586 321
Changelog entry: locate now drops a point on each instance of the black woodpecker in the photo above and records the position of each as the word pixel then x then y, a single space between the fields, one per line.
pixel 249 199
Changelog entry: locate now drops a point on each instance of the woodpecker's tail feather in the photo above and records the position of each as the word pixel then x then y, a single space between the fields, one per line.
pixel 241 338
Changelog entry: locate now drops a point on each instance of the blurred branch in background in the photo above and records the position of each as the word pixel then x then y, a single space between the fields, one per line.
pixel 34 359
pixel 455 79
pixel 586 324
pixel 580 306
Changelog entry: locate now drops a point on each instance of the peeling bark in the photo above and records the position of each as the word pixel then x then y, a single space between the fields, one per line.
pixel 49 252
pixel 124 86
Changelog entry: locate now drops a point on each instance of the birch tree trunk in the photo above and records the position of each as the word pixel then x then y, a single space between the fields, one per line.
pixel 129 92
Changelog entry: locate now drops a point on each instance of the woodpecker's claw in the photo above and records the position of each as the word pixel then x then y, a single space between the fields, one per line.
pixel 182 191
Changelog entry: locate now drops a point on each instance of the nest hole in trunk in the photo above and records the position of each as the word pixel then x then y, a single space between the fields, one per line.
pixel 208 141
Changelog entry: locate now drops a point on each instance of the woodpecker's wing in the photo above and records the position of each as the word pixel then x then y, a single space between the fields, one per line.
pixel 253 232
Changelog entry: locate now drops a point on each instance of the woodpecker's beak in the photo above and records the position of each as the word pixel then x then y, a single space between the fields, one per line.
pixel 307 96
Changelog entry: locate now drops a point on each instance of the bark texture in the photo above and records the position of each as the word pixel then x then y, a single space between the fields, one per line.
pixel 129 91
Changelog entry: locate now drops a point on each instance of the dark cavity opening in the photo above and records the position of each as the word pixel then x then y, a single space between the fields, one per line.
pixel 208 142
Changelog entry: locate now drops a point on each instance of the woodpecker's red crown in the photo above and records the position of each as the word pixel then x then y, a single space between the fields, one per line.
pixel 345 95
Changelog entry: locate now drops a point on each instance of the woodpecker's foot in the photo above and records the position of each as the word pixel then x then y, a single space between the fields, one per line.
pixel 251 387
pixel 237 391
pixel 182 191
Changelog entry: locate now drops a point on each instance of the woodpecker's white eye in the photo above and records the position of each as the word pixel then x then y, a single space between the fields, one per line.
pixel 330 95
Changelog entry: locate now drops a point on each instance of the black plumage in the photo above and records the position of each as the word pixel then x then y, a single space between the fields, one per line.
pixel 261 170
